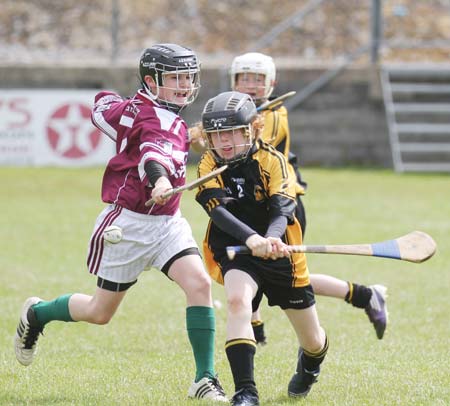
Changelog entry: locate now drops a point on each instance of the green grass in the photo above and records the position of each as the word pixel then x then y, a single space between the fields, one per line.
pixel 143 357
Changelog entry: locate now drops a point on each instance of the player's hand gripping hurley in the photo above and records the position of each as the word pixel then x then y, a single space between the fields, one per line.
pixel 190 185
pixel 416 246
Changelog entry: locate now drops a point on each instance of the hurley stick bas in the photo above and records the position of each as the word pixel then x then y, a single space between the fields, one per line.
pixel 190 185
pixel 416 246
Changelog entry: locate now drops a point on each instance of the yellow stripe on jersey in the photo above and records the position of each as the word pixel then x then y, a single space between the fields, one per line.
pixel 276 132
pixel 206 165
pixel 276 129
pixel 275 125
pixel 272 151
pixel 212 204
pixel 300 273
pixel 212 266
pixel 279 178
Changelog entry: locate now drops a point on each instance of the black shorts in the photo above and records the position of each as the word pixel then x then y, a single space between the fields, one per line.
pixel 274 280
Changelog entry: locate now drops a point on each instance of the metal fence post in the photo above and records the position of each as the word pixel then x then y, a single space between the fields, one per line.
pixel 376 30
pixel 115 15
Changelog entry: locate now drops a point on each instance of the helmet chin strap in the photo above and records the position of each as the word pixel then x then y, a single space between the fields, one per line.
pixel 149 92
pixel 175 108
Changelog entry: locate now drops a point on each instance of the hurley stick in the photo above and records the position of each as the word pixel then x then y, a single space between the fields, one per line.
pixel 271 104
pixel 191 185
pixel 416 246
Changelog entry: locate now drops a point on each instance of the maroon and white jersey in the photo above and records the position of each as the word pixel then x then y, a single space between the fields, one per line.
pixel 143 131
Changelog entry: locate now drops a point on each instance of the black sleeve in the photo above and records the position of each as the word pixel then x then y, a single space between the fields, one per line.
pixel 223 219
pixel 154 171
pixel 294 162
pixel 282 206
pixel 277 227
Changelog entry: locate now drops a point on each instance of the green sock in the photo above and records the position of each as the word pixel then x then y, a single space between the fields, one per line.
pixel 57 309
pixel 200 324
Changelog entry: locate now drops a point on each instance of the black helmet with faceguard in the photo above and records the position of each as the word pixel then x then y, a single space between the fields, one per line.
pixel 230 111
pixel 162 59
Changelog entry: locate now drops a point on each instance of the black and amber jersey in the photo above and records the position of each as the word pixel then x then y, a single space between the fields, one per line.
pixel 258 188
pixel 276 129
pixel 254 191
pixel 276 132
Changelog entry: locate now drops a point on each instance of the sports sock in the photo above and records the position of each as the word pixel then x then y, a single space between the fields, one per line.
pixel 200 324
pixel 258 331
pixel 57 309
pixel 241 353
pixel 311 361
pixel 358 295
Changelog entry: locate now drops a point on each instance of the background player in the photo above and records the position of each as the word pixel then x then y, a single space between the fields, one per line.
pixel 253 202
pixel 151 154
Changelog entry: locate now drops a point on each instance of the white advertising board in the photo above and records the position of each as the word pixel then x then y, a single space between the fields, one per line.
pixel 50 128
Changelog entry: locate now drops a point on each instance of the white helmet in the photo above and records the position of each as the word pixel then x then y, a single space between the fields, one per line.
pixel 254 62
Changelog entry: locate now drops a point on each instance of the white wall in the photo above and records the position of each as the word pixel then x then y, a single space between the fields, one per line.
pixel 50 127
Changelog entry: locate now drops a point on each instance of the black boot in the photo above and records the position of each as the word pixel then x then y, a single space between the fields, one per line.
pixel 303 379
pixel 245 397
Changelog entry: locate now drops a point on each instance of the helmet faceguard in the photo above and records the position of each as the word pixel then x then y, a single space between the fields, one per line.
pixel 162 60
pixel 230 115
pixel 256 63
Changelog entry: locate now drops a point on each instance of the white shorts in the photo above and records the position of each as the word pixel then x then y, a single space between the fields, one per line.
pixel 147 242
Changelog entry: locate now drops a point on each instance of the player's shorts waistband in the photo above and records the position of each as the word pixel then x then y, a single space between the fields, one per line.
pixel 146 217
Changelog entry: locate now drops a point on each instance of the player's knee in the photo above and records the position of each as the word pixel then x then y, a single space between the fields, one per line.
pixel 314 347
pixel 237 304
pixel 203 282
pixel 199 287
pixel 101 318
pixel 316 343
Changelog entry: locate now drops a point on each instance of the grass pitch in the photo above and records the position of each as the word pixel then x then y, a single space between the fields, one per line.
pixel 143 357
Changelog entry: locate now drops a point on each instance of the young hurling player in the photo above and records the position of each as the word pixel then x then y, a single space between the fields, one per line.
pixel 253 202
pixel 254 74
pixel 151 153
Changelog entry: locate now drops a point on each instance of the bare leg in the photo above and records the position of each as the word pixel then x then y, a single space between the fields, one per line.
pixel 240 346
pixel 326 285
pixel 370 298
pixel 256 316
pixel 240 289
pixel 188 272
pixel 310 335
pixel 97 309
pixel 313 348
pixel 36 313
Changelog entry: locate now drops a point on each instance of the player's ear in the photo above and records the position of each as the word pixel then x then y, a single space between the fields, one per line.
pixel 150 82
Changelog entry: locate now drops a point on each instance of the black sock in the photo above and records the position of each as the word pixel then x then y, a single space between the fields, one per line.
pixel 358 295
pixel 311 361
pixel 241 353
pixel 258 331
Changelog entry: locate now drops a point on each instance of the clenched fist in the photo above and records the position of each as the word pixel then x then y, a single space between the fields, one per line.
pixel 260 246
pixel 162 186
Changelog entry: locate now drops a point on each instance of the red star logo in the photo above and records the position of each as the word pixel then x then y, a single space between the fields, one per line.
pixel 70 132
